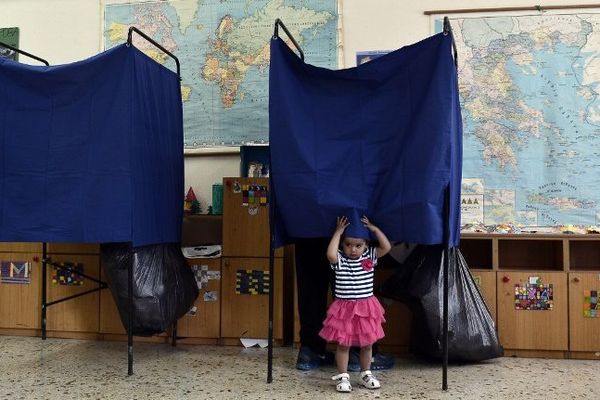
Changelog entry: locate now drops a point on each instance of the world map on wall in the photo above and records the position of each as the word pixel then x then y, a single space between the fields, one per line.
pixel 530 98
pixel 223 48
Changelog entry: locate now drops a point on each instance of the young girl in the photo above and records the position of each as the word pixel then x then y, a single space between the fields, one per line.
pixel 355 316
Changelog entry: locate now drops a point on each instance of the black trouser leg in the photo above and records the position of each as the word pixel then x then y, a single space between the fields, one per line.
pixel 313 275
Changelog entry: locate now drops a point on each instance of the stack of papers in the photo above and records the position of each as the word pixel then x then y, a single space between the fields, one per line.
pixel 212 251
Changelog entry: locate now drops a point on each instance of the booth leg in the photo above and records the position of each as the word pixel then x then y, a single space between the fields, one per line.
pixel 445 278
pixel 174 335
pixel 44 293
pixel 445 323
pixel 131 316
pixel 271 305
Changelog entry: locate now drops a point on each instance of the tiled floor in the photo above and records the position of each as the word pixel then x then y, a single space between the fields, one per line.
pixel 75 369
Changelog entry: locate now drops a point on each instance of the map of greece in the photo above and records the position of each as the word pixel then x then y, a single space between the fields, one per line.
pixel 223 48
pixel 530 88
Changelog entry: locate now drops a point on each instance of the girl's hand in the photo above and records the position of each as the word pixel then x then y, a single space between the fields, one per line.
pixel 342 224
pixel 384 243
pixel 332 249
pixel 368 224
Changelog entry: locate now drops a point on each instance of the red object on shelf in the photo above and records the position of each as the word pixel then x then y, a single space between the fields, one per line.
pixel 190 196
pixel 36 259
pixel 505 279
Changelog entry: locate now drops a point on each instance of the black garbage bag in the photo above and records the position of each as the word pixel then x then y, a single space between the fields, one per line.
pixel 418 282
pixel 164 287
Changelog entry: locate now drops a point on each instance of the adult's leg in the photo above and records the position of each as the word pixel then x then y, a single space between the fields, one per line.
pixel 378 360
pixel 313 275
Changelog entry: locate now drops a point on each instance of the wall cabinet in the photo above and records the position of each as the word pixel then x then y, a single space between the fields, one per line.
pixel 500 264
pixel 246 218
pixel 244 314
pixel 570 263
pixel 79 314
pixel 205 323
pixel 110 321
pixel 398 318
pixel 584 327
pixel 532 329
pixel 486 282
pixel 20 303
pixel 245 263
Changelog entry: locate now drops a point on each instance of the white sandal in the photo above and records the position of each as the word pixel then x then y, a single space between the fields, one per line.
pixel 368 380
pixel 343 382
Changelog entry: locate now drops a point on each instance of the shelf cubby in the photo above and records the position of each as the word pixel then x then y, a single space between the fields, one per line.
pixel 517 254
pixel 584 255
pixel 477 253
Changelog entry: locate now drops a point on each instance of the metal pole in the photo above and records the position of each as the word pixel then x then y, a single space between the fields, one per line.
pixel 447 31
pixel 131 316
pixel 174 335
pixel 148 38
pixel 445 302
pixel 279 23
pixel 271 277
pixel 271 305
pixel 8 46
pixel 44 293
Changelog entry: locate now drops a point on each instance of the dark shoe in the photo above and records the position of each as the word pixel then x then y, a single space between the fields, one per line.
pixel 308 359
pixel 380 361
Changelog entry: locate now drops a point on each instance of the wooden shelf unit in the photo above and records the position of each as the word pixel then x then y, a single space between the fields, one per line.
pixel 532 329
pixel 519 254
pixel 486 281
pixel 205 326
pixel 20 303
pixel 479 253
pixel 79 314
pixel 246 247
pixel 398 318
pixel 570 262
pixel 584 255
pixel 95 315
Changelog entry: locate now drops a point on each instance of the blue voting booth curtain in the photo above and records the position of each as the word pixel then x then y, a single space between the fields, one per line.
pixel 91 151
pixel 383 140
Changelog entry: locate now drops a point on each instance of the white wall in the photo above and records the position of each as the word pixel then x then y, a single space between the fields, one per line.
pixel 62 31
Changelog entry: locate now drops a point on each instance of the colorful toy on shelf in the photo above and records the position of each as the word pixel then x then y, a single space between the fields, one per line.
pixel 567 229
pixel 592 229
pixel 190 197
pixel 479 228
pixel 572 229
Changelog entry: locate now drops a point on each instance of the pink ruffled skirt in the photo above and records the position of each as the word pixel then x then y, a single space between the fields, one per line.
pixel 354 322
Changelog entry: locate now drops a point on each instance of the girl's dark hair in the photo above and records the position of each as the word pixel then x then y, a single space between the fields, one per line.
pixel 367 241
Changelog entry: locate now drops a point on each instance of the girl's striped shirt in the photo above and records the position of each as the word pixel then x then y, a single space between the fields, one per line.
pixel 354 277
